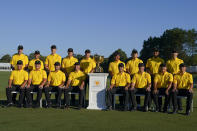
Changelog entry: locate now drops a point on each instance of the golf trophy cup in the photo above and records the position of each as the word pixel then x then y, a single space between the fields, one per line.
pixel 98 59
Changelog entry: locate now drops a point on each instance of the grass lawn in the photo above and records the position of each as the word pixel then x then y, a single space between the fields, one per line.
pixel 58 119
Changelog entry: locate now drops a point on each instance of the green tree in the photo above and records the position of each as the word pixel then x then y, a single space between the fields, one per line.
pixel 6 58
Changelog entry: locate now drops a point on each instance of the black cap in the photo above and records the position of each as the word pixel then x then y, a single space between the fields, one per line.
pixel 121 65
pixel 174 51
pixel 141 65
pixel 37 62
pixel 70 49
pixel 116 53
pixel 162 65
pixel 156 50
pixel 182 65
pixel 53 47
pixel 87 51
pixel 134 51
pixel 19 62
pixel 57 64
pixel 20 47
pixel 37 52
pixel 77 63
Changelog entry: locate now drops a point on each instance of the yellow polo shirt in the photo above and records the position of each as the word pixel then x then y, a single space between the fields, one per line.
pixel 183 81
pixel 113 67
pixel 68 64
pixel 32 64
pixel 173 65
pixel 141 80
pixel 121 79
pixel 51 59
pixel 132 65
pixel 163 80
pixel 56 78
pixel 153 64
pixel 18 57
pixel 77 78
pixel 18 77
pixel 87 65
pixel 37 76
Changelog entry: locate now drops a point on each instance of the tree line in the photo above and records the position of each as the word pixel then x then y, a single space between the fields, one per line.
pixel 184 41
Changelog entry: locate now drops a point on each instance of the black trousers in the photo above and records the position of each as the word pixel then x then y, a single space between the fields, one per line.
pixel 75 89
pixel 158 100
pixel 183 92
pixel 53 89
pixel 33 88
pixel 115 90
pixel 15 88
pixel 139 91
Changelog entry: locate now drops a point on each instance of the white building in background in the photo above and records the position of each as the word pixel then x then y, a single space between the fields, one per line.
pixel 5 67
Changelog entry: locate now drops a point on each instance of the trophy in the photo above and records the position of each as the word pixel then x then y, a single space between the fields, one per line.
pixel 98 59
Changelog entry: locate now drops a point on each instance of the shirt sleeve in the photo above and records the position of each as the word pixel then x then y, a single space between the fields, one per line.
pixel 127 65
pixel 110 67
pixel 63 63
pixel 30 75
pixel 26 76
pixel 12 75
pixel 148 78
pixel 113 80
pixel 190 79
pixel 124 66
pixel 128 79
pixel 60 59
pixel 134 79
pixel 44 74
pixel 63 77
pixel 156 79
pixel 70 76
pixel 47 61
pixel 93 64
pixel 170 77
pixel 148 63
pixel 49 77
pixel 175 79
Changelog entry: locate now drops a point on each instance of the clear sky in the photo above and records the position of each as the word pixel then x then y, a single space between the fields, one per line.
pixel 100 25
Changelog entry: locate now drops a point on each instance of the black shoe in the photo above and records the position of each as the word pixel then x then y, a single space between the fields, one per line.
pixel 109 108
pixel 79 107
pixel 145 108
pixel 9 104
pixel 187 113
pixel 180 108
pixel 20 105
pixel 133 109
pixel 174 111
pixel 66 106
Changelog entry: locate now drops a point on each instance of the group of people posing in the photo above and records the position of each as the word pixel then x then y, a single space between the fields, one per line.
pixel 155 79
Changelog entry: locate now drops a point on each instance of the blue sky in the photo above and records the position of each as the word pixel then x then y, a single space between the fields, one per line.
pixel 100 25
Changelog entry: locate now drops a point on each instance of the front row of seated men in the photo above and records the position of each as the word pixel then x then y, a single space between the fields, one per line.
pixel 164 85
pixel 37 81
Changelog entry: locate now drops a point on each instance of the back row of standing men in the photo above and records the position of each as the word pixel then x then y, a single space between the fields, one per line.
pixel 118 84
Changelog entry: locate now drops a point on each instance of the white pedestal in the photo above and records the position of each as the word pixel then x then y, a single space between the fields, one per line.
pixel 97 87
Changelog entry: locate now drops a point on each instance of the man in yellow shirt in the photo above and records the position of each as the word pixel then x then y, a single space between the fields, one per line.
pixel 52 59
pixel 132 65
pixel 68 63
pixel 17 82
pixel 75 83
pixel 68 67
pixel 19 56
pixel 140 84
pixel 32 62
pixel 183 86
pixel 162 85
pixel 152 67
pixel 119 84
pixel 113 69
pixel 173 68
pixel 56 81
pixel 36 82
pixel 113 66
